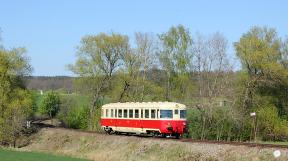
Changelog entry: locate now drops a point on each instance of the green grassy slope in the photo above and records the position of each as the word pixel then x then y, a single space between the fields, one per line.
pixel 10 155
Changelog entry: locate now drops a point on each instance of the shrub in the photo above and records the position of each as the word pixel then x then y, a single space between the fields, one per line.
pixel 77 118
pixel 74 113
pixel 50 104
pixel 271 126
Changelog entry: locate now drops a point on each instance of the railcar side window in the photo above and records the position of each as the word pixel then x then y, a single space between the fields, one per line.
pixel 166 114
pixel 125 113
pixel 112 113
pixel 120 113
pixel 130 113
pixel 137 113
pixel 146 113
pixel 107 112
pixel 176 112
pixel 153 114
pixel 182 114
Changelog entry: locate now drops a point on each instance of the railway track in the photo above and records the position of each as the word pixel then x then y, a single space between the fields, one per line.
pixel 248 144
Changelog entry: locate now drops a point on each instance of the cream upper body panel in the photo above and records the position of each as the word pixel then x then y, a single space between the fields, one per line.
pixel 145 105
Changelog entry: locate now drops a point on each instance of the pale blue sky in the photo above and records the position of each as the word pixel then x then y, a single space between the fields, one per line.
pixel 52 29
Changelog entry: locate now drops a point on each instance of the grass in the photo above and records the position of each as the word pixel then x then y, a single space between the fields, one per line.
pixel 274 142
pixel 10 155
pixel 80 100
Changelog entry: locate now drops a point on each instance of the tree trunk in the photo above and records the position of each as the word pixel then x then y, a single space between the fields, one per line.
pixel 126 86
pixel 168 87
pixel 94 101
pixel 143 84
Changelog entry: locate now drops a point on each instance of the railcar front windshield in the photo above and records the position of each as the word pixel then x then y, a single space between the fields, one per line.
pixel 182 114
pixel 166 114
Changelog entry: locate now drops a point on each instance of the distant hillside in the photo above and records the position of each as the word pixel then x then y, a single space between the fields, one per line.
pixel 49 83
pixel 66 83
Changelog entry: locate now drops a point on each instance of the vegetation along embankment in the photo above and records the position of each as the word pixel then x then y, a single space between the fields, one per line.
pixel 176 65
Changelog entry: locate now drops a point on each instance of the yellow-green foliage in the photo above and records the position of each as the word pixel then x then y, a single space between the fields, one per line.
pixel 270 125
pixel 263 84
pixel 15 102
pixel 50 104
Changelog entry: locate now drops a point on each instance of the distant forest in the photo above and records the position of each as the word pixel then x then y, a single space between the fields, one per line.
pixel 65 83
pixel 49 83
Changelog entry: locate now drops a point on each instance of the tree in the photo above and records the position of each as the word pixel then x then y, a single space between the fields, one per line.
pixel 50 105
pixel 263 80
pixel 16 102
pixel 214 80
pixel 98 58
pixel 260 56
pixel 146 51
pixel 129 75
pixel 136 64
pixel 175 56
pixel 212 65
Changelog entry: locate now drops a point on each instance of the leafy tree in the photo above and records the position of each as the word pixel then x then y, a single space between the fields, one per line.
pixel 98 58
pixel 175 57
pixel 146 49
pixel 129 75
pixel 136 63
pixel 50 104
pixel 259 53
pixel 264 78
pixel 16 102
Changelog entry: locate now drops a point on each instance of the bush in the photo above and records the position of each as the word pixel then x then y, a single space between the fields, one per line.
pixel 77 118
pixel 74 113
pixel 194 123
pixel 271 126
pixel 50 104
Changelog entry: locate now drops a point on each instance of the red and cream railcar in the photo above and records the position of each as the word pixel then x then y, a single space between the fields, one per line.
pixel 165 118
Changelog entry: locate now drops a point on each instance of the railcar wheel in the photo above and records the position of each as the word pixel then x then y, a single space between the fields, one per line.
pixel 163 135
pixel 155 134
pixel 177 136
pixel 108 130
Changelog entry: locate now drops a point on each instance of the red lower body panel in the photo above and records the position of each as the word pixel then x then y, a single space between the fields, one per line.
pixel 164 126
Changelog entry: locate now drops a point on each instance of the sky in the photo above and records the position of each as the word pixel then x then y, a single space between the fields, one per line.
pixel 51 30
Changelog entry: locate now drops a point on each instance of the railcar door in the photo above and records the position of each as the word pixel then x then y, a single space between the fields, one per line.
pixel 116 118
pixel 176 116
pixel 118 122
pixel 141 120
pixel 137 124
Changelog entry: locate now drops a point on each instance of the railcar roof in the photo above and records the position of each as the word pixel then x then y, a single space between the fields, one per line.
pixel 144 104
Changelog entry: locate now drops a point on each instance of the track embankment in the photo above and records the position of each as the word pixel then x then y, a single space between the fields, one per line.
pixel 119 147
